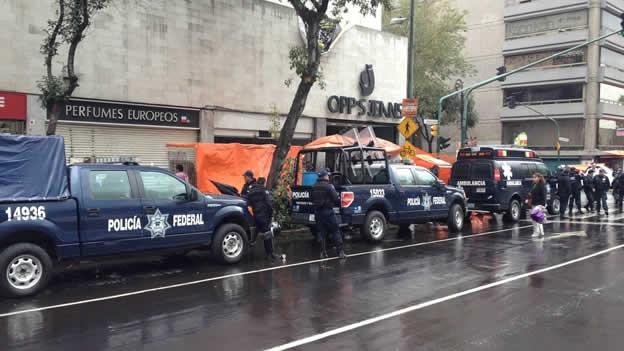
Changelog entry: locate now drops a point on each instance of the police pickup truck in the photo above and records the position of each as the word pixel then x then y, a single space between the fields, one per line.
pixel 50 213
pixel 374 192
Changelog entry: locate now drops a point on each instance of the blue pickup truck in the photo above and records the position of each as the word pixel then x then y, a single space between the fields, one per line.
pixel 102 210
pixel 375 192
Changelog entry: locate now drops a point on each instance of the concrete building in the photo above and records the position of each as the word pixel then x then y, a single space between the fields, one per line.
pixel 158 72
pixel 583 90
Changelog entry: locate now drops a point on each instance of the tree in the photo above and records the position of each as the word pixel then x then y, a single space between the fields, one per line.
pixel 438 57
pixel 306 60
pixel 73 18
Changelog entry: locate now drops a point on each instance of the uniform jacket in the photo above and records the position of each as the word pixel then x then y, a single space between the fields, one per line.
pixel 259 200
pixel 324 195
pixel 601 183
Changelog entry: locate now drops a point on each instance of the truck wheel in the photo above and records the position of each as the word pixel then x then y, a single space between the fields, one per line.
pixel 456 218
pixel 230 243
pixel 26 270
pixel 513 214
pixel 375 224
pixel 555 206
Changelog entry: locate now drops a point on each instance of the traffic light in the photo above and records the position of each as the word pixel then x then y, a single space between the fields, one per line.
pixel 434 130
pixel 501 70
pixel 511 102
pixel 444 142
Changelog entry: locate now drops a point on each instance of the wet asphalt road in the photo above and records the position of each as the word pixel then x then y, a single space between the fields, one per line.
pixel 259 306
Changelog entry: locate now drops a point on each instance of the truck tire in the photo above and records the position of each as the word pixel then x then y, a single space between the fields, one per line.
pixel 26 269
pixel 554 207
pixel 375 226
pixel 456 218
pixel 514 212
pixel 230 243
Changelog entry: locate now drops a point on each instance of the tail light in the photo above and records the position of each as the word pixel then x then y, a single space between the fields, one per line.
pixel 502 153
pixel 346 199
pixel 497 176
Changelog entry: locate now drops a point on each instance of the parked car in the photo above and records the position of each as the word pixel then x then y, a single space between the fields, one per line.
pixel 102 210
pixel 374 192
pixel 498 179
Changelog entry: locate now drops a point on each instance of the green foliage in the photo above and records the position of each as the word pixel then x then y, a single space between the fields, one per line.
pixel 51 91
pixel 275 122
pixel 437 55
pixel 281 194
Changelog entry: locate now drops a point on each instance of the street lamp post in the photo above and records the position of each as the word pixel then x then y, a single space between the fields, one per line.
pixel 410 48
pixel 459 85
pixel 557 130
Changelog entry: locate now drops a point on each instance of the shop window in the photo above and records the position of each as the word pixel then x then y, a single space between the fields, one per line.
pixel 551 94
pixel 109 185
pixel 12 127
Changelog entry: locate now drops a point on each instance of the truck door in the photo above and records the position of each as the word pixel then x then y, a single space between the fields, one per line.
pixel 411 195
pixel 111 212
pixel 434 198
pixel 174 217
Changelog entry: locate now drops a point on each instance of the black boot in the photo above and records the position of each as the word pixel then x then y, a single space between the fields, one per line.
pixel 323 249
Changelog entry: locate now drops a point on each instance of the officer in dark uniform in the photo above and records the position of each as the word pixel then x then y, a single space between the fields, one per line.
pixel 575 185
pixel 324 198
pixel 249 180
pixel 564 189
pixel 602 186
pixel 588 188
pixel 618 189
pixel 260 201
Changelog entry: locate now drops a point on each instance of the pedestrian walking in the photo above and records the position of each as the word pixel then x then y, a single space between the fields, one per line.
pixel 618 191
pixel 564 189
pixel 260 201
pixel 324 198
pixel 538 203
pixel 180 173
pixel 588 188
pixel 249 181
pixel 601 186
pixel 575 187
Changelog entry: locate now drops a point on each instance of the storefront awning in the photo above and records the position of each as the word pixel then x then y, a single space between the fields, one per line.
pixel 619 153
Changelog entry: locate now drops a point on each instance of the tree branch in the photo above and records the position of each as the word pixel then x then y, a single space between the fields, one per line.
pixel 50 46
pixel 301 10
pixel 76 37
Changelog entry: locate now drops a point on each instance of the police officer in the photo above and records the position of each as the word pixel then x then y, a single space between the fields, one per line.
pixel 249 180
pixel 324 198
pixel 618 190
pixel 601 186
pixel 260 201
pixel 588 188
pixel 564 189
pixel 575 185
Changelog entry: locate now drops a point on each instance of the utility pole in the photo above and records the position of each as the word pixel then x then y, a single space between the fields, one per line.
pixel 463 122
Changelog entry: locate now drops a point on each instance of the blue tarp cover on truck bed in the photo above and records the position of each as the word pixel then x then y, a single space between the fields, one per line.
pixel 32 168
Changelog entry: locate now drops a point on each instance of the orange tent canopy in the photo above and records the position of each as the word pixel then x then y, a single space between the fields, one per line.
pixel 226 163
pixel 338 140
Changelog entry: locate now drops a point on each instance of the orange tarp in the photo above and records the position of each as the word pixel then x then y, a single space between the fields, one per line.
pixel 429 161
pixel 226 163
pixel 338 140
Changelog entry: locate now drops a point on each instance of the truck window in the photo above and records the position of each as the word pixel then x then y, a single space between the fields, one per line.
pixel 481 171
pixel 109 185
pixel 424 178
pixel 161 186
pixel 405 176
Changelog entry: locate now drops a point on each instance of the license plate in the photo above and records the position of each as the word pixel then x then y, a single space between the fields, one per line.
pixel 311 218
pixel 471 205
pixel 481 190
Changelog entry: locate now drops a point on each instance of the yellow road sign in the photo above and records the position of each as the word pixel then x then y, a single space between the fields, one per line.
pixel 408 150
pixel 407 127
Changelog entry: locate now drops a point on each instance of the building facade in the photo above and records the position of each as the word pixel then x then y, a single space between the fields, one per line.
pixel 159 72
pixel 583 90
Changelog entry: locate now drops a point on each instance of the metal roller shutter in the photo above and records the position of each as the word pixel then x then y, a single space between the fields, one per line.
pixel 149 145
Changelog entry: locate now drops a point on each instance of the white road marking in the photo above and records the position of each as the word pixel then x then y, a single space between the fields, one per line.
pixel 200 281
pixel 561 235
pixel 422 305
pixel 592 223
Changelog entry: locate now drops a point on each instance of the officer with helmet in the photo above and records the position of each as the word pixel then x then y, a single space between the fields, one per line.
pixel 325 198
